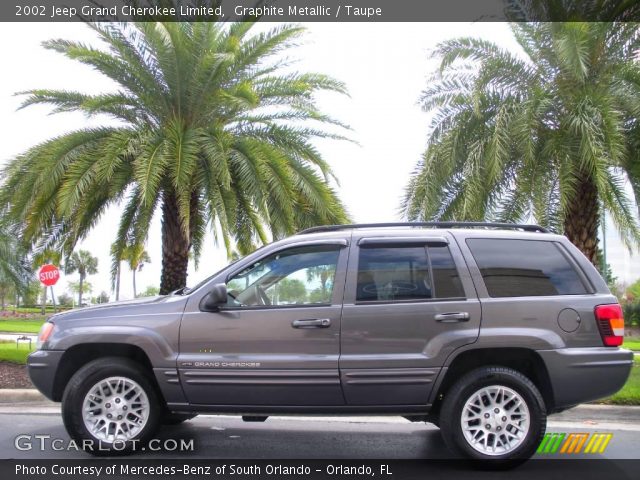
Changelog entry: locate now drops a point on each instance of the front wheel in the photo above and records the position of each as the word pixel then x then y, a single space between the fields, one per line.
pixel 493 414
pixel 110 407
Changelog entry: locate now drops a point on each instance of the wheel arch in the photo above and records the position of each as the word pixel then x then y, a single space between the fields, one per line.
pixel 77 356
pixel 524 360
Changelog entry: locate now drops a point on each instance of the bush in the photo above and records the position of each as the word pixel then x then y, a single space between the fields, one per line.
pixel 65 300
pixel 151 291
pixel 631 313
pixel 30 312
pixel 35 309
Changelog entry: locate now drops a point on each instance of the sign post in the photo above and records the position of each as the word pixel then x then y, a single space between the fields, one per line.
pixel 49 275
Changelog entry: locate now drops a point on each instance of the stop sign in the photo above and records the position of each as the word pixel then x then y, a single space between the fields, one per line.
pixel 49 275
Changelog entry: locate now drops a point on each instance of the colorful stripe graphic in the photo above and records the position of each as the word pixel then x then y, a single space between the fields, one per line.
pixel 573 443
pixel 598 442
pixel 551 442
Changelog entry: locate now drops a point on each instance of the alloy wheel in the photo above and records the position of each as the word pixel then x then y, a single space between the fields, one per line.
pixel 495 420
pixel 115 409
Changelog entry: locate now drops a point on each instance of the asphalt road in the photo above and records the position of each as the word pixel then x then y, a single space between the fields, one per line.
pixel 224 437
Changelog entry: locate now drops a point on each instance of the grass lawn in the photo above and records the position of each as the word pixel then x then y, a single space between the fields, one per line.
pixel 9 352
pixel 632 343
pixel 630 393
pixel 21 325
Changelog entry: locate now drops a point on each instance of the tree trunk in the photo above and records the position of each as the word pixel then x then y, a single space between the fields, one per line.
pixel 80 291
pixel 118 284
pixel 135 294
pixel 53 300
pixel 582 219
pixel 44 300
pixel 175 247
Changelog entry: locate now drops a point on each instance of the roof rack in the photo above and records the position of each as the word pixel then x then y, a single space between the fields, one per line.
pixel 503 226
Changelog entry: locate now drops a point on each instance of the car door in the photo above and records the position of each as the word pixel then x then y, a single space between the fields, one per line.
pixel 276 342
pixel 409 302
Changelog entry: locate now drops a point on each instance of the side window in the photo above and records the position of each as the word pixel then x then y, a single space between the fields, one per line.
pixel 298 276
pixel 445 274
pixel 521 268
pixel 397 273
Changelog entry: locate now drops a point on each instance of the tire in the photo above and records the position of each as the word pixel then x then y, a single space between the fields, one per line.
pixel 172 418
pixel 122 385
pixel 483 391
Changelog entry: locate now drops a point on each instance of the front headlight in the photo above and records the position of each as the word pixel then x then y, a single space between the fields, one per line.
pixel 45 332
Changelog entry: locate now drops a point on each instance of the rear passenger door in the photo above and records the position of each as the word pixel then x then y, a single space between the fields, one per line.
pixel 409 303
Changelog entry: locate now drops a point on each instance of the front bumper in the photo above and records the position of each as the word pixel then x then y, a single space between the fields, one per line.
pixel 581 375
pixel 42 366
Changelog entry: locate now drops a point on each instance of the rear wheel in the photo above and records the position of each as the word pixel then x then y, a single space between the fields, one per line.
pixel 493 414
pixel 109 407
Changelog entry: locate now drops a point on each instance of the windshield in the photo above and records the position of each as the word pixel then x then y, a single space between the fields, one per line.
pixel 189 290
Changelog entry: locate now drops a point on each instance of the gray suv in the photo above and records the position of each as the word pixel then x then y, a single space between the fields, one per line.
pixel 482 329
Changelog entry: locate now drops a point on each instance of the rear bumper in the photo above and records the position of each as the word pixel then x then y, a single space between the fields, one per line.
pixel 42 366
pixel 581 375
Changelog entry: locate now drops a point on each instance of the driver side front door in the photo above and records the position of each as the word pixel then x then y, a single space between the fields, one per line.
pixel 277 342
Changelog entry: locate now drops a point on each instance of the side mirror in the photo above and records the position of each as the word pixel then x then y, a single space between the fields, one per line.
pixel 215 299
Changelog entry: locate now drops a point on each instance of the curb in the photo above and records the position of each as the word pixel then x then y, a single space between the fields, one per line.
pixel 15 395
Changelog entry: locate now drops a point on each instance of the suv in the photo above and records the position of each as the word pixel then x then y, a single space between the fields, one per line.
pixel 482 329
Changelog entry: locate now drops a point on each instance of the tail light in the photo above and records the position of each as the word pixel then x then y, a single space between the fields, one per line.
pixel 611 324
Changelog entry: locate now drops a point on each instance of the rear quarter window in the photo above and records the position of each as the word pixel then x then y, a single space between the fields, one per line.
pixel 525 268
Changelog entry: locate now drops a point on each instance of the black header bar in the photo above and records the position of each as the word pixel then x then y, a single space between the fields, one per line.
pixel 304 469
pixel 319 10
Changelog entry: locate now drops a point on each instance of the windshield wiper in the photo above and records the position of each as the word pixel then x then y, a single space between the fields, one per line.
pixel 181 291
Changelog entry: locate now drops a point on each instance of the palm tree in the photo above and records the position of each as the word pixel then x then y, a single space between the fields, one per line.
pixel 322 273
pixel 14 274
pixel 85 264
pixel 74 287
pixel 545 134
pixel 214 133
pixel 136 257
pixel 116 260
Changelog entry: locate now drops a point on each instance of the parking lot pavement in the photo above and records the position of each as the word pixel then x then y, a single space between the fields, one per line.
pixel 226 437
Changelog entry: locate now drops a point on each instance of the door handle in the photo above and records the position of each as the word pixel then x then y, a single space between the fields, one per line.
pixel 311 323
pixel 452 317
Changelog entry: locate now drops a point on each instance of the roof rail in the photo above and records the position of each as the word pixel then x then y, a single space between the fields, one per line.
pixel 504 226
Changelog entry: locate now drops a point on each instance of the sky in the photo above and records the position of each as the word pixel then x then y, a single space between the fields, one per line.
pixel 385 67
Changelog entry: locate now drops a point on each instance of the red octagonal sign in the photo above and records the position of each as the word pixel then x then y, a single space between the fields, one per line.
pixel 49 275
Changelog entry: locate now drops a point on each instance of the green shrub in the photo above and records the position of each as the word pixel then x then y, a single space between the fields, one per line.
pixel 631 312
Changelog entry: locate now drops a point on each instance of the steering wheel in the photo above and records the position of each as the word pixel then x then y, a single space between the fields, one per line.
pixel 233 296
pixel 261 296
